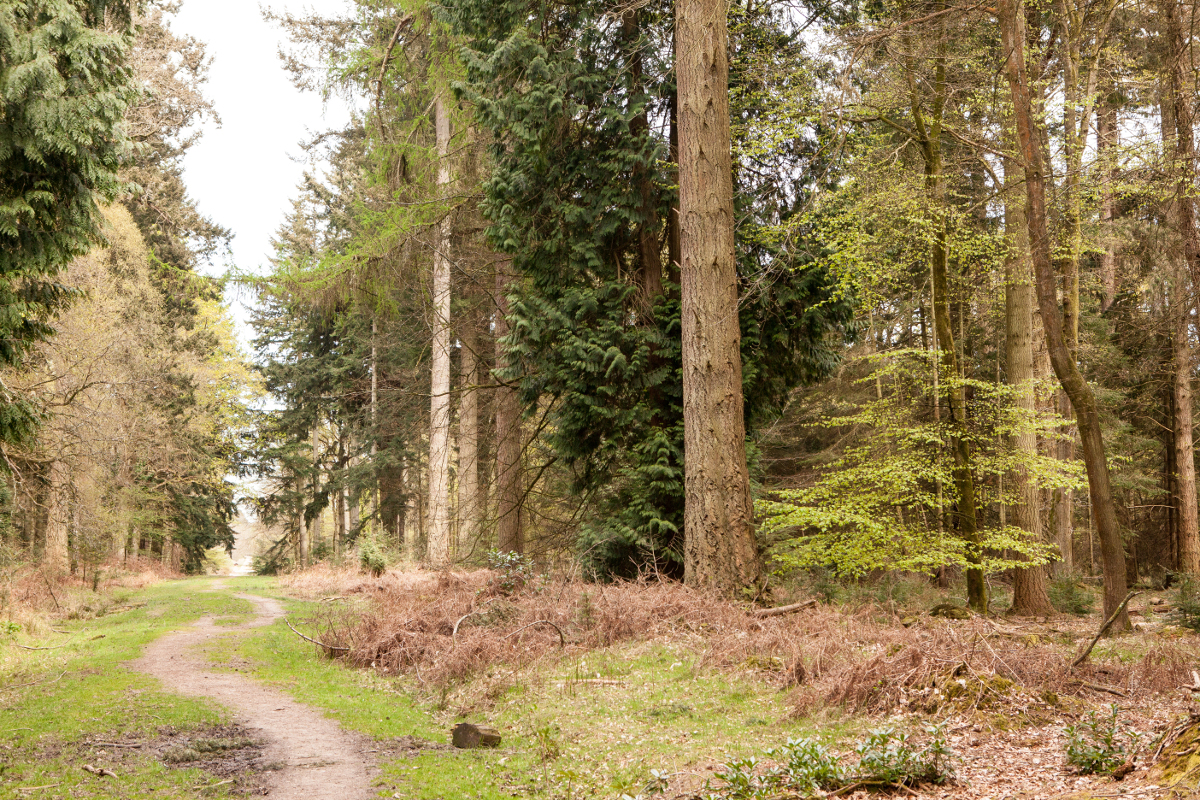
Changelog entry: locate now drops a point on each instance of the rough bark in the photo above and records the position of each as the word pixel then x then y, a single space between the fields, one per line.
pixel 468 442
pixel 1178 141
pixel 508 435
pixel 673 247
pixel 1061 360
pixel 439 405
pixel 1062 500
pixel 720 551
pixel 1029 585
pixel 1107 139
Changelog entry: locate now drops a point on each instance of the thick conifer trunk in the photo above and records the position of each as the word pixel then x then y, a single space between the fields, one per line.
pixel 1086 413
pixel 720 551
pixel 508 435
pixel 439 406
pixel 1029 585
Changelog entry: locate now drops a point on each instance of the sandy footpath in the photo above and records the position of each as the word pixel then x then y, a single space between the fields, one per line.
pixel 312 757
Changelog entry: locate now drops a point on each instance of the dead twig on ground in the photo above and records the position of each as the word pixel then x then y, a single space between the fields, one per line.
pixel 330 647
pixel 779 610
pixel 454 633
pixel 591 682
pixel 52 597
pixel 205 786
pixel 1096 687
pixel 562 640
pixel 27 647
pixel 34 683
pixel 1103 628
pixel 100 771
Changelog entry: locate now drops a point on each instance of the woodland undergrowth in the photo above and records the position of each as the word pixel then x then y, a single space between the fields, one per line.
pixel 825 655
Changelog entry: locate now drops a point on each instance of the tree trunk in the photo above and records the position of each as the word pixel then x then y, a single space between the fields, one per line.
pixel 1062 500
pixel 508 434
pixel 1107 137
pixel 468 441
pixel 438 536
pixel 1086 413
pixel 929 133
pixel 57 559
pixel 1029 585
pixel 720 551
pixel 1178 142
pixel 649 244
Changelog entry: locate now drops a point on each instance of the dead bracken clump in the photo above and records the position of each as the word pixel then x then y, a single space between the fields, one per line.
pixel 444 628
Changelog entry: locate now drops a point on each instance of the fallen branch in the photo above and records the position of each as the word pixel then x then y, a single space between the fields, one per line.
pixel 35 683
pixel 1103 628
pixel 454 633
pixel 101 771
pixel 1096 687
pixel 35 788
pixel 52 597
pixel 206 786
pixel 591 682
pixel 330 647
pixel 27 647
pixel 780 610
pixel 562 640
pixel 114 744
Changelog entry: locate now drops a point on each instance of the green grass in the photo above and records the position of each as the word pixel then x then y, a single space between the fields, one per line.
pixel 82 691
pixel 563 737
pixel 560 733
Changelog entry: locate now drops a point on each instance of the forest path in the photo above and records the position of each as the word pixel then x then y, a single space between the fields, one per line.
pixel 312 757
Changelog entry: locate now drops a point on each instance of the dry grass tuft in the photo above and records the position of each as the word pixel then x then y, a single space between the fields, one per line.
pixel 824 655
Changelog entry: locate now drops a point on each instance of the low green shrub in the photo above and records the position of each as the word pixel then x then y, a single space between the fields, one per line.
pixel 887 756
pixel 1069 597
pixel 515 570
pixel 371 556
pixel 1185 597
pixel 805 769
pixel 1097 744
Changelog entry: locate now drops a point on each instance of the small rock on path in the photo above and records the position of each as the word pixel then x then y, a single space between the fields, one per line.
pixel 315 758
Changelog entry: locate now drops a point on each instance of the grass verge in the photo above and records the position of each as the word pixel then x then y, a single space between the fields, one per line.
pixel 58 702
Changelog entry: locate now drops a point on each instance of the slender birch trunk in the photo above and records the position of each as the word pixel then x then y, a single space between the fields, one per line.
pixel 438 535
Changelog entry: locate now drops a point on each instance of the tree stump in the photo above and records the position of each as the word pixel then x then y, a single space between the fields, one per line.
pixel 467 736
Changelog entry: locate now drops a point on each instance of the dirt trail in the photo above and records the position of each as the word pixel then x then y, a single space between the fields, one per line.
pixel 317 760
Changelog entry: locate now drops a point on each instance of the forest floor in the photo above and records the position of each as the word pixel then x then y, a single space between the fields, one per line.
pixel 199 688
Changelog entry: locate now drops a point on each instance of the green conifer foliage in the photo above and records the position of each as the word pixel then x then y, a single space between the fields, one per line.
pixel 64 87
pixel 579 108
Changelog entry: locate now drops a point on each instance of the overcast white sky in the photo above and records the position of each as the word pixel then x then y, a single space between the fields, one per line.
pixel 243 174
